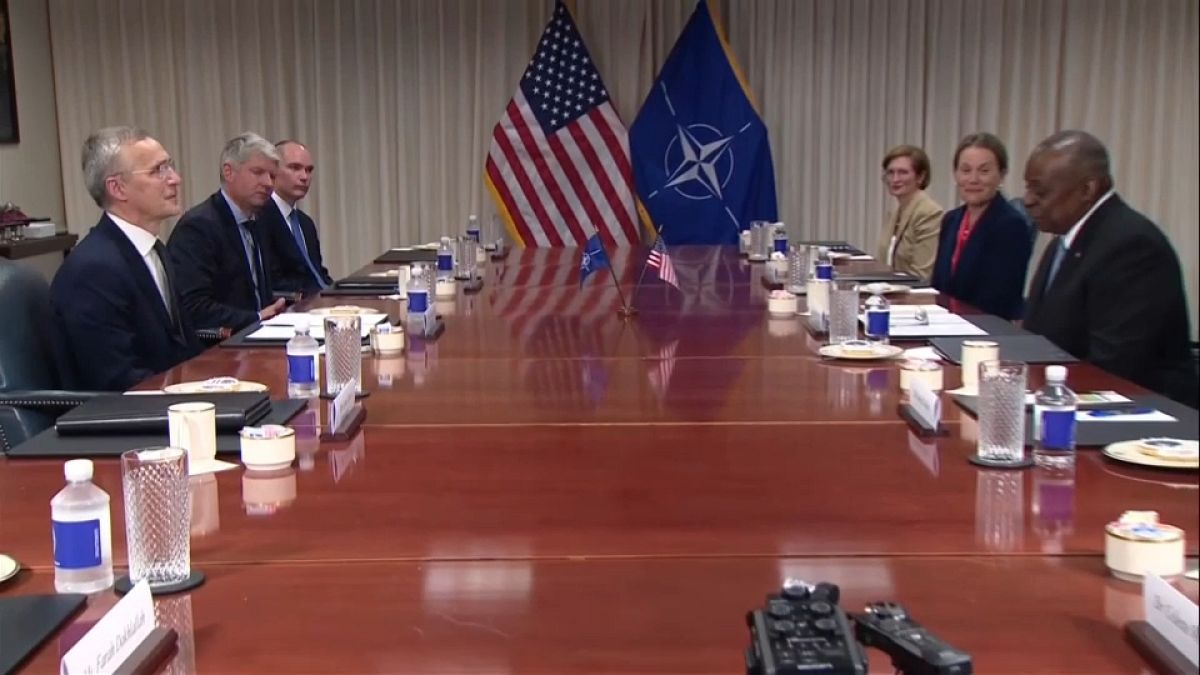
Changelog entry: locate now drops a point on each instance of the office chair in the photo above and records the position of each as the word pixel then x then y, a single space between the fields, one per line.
pixel 33 389
pixel 1019 204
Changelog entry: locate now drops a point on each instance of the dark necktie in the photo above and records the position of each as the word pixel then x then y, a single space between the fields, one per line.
pixel 254 260
pixel 298 234
pixel 168 288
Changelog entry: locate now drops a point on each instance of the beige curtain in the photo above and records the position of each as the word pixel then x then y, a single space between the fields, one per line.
pixel 397 98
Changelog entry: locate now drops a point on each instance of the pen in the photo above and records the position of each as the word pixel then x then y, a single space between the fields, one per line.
pixel 1114 413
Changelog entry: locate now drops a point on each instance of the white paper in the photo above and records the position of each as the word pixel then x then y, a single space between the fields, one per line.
pixel 924 403
pixel 959 328
pixel 114 637
pixel 1156 416
pixel 283 326
pixel 862 256
pixel 923 353
pixel 923 291
pixel 208 466
pixel 1173 615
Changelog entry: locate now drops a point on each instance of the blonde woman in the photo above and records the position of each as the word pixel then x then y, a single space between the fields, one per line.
pixel 909 242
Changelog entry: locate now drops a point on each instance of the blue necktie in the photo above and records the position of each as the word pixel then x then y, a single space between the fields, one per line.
pixel 1060 252
pixel 298 234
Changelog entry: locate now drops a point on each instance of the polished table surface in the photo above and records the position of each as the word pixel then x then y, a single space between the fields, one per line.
pixel 547 488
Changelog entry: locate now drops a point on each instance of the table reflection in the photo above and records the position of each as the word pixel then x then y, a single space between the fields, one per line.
pixel 205 505
pixel 265 493
pixel 1000 510
pixel 1053 505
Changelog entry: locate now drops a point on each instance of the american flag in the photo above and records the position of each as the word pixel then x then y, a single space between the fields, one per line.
pixel 558 166
pixel 660 260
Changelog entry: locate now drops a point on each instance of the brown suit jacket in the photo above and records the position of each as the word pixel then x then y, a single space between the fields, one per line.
pixel 916 227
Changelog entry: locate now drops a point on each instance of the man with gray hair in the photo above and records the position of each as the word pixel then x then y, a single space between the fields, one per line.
pixel 115 297
pixel 224 271
pixel 1109 288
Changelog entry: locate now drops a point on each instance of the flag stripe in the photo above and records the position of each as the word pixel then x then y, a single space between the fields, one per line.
pixel 618 187
pixel 525 188
pixel 567 163
pixel 554 185
pixel 616 139
pixel 597 182
pixel 515 210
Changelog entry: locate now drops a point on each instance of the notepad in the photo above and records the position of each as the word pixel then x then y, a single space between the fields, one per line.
pixel 283 326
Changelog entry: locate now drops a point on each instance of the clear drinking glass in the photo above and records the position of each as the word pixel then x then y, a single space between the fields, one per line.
pixel 464 259
pixel 758 240
pixel 843 315
pixel 798 266
pixel 343 352
pixel 1002 412
pixel 157 515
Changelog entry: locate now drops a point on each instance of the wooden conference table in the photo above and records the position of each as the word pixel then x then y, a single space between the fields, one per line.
pixel 549 489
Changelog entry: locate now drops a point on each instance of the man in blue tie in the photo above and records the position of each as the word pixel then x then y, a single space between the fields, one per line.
pixel 224 272
pixel 1109 288
pixel 290 233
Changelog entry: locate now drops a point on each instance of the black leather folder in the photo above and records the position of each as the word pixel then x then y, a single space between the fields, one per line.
pixel 1099 434
pixel 122 414
pixel 835 246
pixel 26 622
pixel 1025 347
pixel 884 276
pixel 50 443
pixel 407 255
pixel 378 284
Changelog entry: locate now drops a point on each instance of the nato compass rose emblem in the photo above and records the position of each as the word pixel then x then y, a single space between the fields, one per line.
pixel 698 160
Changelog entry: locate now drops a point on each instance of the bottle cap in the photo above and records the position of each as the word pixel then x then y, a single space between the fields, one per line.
pixel 303 325
pixel 1056 373
pixel 78 470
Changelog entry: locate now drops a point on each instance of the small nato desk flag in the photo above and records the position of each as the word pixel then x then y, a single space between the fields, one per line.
pixel 594 258
pixel 701 160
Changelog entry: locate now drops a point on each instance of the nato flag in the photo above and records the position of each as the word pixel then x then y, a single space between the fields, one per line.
pixel 594 258
pixel 701 159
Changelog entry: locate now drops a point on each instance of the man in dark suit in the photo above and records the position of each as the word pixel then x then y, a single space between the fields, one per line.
pixel 1109 288
pixel 291 235
pixel 224 271
pixel 115 297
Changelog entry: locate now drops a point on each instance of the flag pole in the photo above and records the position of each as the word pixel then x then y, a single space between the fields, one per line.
pixel 645 264
pixel 625 312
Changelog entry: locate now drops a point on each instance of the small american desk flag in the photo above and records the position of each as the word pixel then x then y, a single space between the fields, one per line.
pixel 558 166
pixel 660 260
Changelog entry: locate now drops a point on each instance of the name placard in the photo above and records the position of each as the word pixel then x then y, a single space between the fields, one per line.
pixel 1173 615
pixel 342 403
pixel 925 404
pixel 114 637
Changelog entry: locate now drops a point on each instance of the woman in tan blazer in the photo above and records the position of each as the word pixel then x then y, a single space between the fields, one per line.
pixel 909 242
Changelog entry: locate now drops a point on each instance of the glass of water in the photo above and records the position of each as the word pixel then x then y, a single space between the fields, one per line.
pixel 798 267
pixel 157 515
pixel 843 314
pixel 343 352
pixel 1002 413
pixel 464 259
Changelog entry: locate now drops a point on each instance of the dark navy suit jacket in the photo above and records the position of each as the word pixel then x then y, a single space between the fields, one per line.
pixel 289 272
pixel 112 320
pixel 991 269
pixel 215 283
pixel 1117 301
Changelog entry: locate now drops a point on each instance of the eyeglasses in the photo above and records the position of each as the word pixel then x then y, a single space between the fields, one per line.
pixel 161 171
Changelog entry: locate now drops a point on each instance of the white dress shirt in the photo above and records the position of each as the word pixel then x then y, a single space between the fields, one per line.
pixel 1069 237
pixel 143 241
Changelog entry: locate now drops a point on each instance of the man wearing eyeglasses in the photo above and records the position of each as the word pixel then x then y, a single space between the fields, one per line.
pixel 291 234
pixel 224 271
pixel 115 297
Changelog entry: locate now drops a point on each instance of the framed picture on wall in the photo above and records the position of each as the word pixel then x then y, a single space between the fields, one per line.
pixel 8 88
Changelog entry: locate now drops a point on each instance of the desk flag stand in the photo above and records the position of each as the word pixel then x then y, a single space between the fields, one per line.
pixel 645 265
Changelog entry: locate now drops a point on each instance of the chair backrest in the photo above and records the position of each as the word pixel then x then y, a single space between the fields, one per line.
pixel 27 350
pixel 1019 205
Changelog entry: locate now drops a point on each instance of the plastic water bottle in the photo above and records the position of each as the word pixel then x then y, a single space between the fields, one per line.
pixel 780 239
pixel 419 305
pixel 302 370
pixel 824 266
pixel 879 316
pixel 445 259
pixel 473 227
pixel 82 532
pixel 1054 421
